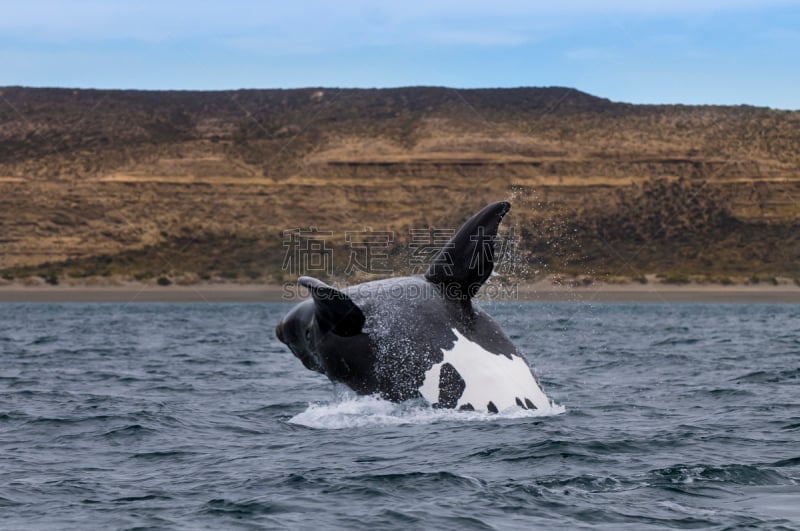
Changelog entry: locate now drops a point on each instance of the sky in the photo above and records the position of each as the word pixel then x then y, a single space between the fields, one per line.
pixel 679 51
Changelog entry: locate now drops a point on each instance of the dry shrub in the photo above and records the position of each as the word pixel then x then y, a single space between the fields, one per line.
pixel 662 209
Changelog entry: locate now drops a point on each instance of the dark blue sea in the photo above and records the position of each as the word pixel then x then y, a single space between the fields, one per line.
pixel 193 416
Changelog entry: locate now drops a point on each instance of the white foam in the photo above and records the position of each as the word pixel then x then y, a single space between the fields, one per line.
pixel 371 411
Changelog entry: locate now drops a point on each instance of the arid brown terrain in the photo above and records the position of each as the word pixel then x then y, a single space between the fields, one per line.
pixel 184 186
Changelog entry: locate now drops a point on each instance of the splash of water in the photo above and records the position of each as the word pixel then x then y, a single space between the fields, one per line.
pixel 372 411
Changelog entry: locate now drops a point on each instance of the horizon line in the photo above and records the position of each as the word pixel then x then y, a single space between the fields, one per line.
pixel 399 87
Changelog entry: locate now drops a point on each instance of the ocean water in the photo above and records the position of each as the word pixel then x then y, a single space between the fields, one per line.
pixel 193 416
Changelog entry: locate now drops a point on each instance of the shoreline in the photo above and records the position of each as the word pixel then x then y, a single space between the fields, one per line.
pixel 131 293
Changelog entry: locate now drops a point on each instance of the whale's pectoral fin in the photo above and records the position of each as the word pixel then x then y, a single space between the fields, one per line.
pixel 333 309
pixel 467 260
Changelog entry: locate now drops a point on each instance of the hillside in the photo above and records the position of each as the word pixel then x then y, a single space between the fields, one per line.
pixel 202 185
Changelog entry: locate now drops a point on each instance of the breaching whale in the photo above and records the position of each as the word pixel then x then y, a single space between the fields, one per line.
pixel 421 336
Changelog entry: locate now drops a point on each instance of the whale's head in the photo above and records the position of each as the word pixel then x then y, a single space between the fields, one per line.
pixel 325 332
pixel 297 331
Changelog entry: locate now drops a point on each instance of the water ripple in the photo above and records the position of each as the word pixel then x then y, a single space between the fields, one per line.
pixel 154 416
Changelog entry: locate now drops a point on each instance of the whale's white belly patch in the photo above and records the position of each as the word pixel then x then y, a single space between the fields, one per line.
pixel 488 378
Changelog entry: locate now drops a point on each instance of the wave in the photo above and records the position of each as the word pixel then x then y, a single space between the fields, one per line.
pixel 372 411
pixel 726 475
pixel 221 506
pixel 771 376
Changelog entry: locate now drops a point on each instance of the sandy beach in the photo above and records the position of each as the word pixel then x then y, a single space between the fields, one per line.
pixel 542 291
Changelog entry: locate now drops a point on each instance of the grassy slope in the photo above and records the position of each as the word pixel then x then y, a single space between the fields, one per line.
pixel 202 184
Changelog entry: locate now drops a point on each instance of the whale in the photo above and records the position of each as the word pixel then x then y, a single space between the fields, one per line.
pixel 420 337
